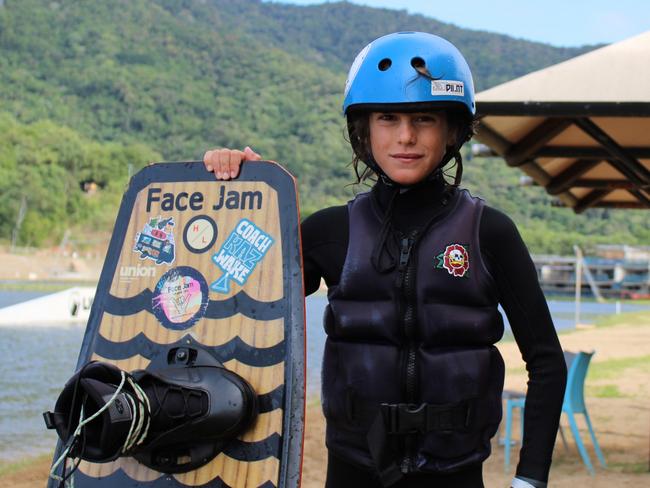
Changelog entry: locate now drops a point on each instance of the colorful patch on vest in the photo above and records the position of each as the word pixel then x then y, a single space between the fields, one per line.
pixel 455 259
pixel 180 298
pixel 156 240
pixel 244 248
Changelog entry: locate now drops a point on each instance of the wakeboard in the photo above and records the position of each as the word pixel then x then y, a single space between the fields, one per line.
pixel 214 264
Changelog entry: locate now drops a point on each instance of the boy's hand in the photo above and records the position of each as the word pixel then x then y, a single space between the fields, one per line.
pixel 226 162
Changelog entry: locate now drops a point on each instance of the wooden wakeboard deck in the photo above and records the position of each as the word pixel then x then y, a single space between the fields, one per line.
pixel 215 264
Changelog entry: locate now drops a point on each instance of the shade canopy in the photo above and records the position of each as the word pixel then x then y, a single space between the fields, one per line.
pixel 580 128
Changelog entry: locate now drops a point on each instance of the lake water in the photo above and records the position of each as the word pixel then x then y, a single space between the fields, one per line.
pixel 36 362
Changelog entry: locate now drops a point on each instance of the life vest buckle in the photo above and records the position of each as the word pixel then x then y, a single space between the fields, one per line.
pixel 410 418
pixel 405 418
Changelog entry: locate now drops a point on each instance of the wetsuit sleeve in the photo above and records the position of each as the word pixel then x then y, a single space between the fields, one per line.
pixel 324 245
pixel 522 299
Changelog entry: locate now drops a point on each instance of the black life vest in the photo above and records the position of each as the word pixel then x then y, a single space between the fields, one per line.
pixel 411 350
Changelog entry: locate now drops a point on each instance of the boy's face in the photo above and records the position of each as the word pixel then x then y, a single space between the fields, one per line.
pixel 409 146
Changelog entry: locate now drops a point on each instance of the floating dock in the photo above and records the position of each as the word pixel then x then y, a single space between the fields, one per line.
pixel 617 271
pixel 67 306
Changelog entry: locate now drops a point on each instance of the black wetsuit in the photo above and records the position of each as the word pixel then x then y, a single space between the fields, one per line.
pixel 325 237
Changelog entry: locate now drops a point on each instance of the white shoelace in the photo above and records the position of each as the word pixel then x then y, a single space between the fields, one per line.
pixel 137 431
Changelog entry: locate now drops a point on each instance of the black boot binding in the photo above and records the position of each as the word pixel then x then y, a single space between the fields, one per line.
pixel 173 418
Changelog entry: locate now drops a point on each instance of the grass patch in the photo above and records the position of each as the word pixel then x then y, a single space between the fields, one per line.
pixel 636 318
pixel 516 371
pixel 604 391
pixel 13 467
pixel 507 337
pixel 613 368
pixel 635 468
pixel 590 299
pixel 313 400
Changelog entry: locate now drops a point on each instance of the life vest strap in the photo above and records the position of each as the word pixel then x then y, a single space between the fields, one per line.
pixel 407 418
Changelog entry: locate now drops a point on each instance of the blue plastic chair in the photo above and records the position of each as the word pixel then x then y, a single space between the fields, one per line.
pixel 513 400
pixel 574 403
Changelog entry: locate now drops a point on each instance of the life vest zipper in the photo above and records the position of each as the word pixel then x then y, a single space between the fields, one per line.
pixel 407 272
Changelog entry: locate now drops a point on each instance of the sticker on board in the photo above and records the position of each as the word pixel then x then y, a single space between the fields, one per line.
pixel 200 234
pixel 156 241
pixel 243 249
pixel 180 298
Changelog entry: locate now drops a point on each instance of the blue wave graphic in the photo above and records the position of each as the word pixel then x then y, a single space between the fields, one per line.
pixel 217 309
pixel 121 479
pixel 235 348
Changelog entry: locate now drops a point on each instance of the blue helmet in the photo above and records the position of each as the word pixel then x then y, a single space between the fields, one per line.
pixel 384 72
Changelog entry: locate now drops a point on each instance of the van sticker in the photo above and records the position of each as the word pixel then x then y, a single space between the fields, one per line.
pixel 156 241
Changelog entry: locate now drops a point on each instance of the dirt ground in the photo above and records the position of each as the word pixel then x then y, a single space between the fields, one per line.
pixel 618 399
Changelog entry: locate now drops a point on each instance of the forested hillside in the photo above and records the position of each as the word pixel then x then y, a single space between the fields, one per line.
pixel 89 88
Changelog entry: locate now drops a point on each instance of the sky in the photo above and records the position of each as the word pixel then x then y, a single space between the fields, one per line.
pixel 556 22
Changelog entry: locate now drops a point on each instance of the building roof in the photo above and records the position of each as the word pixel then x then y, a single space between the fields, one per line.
pixel 580 128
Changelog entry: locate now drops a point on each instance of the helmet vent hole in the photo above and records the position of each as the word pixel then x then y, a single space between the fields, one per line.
pixel 384 64
pixel 417 62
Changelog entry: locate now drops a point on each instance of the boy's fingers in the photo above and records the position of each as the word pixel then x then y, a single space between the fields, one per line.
pixel 251 155
pixel 223 171
pixel 226 163
pixel 236 157
pixel 207 160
